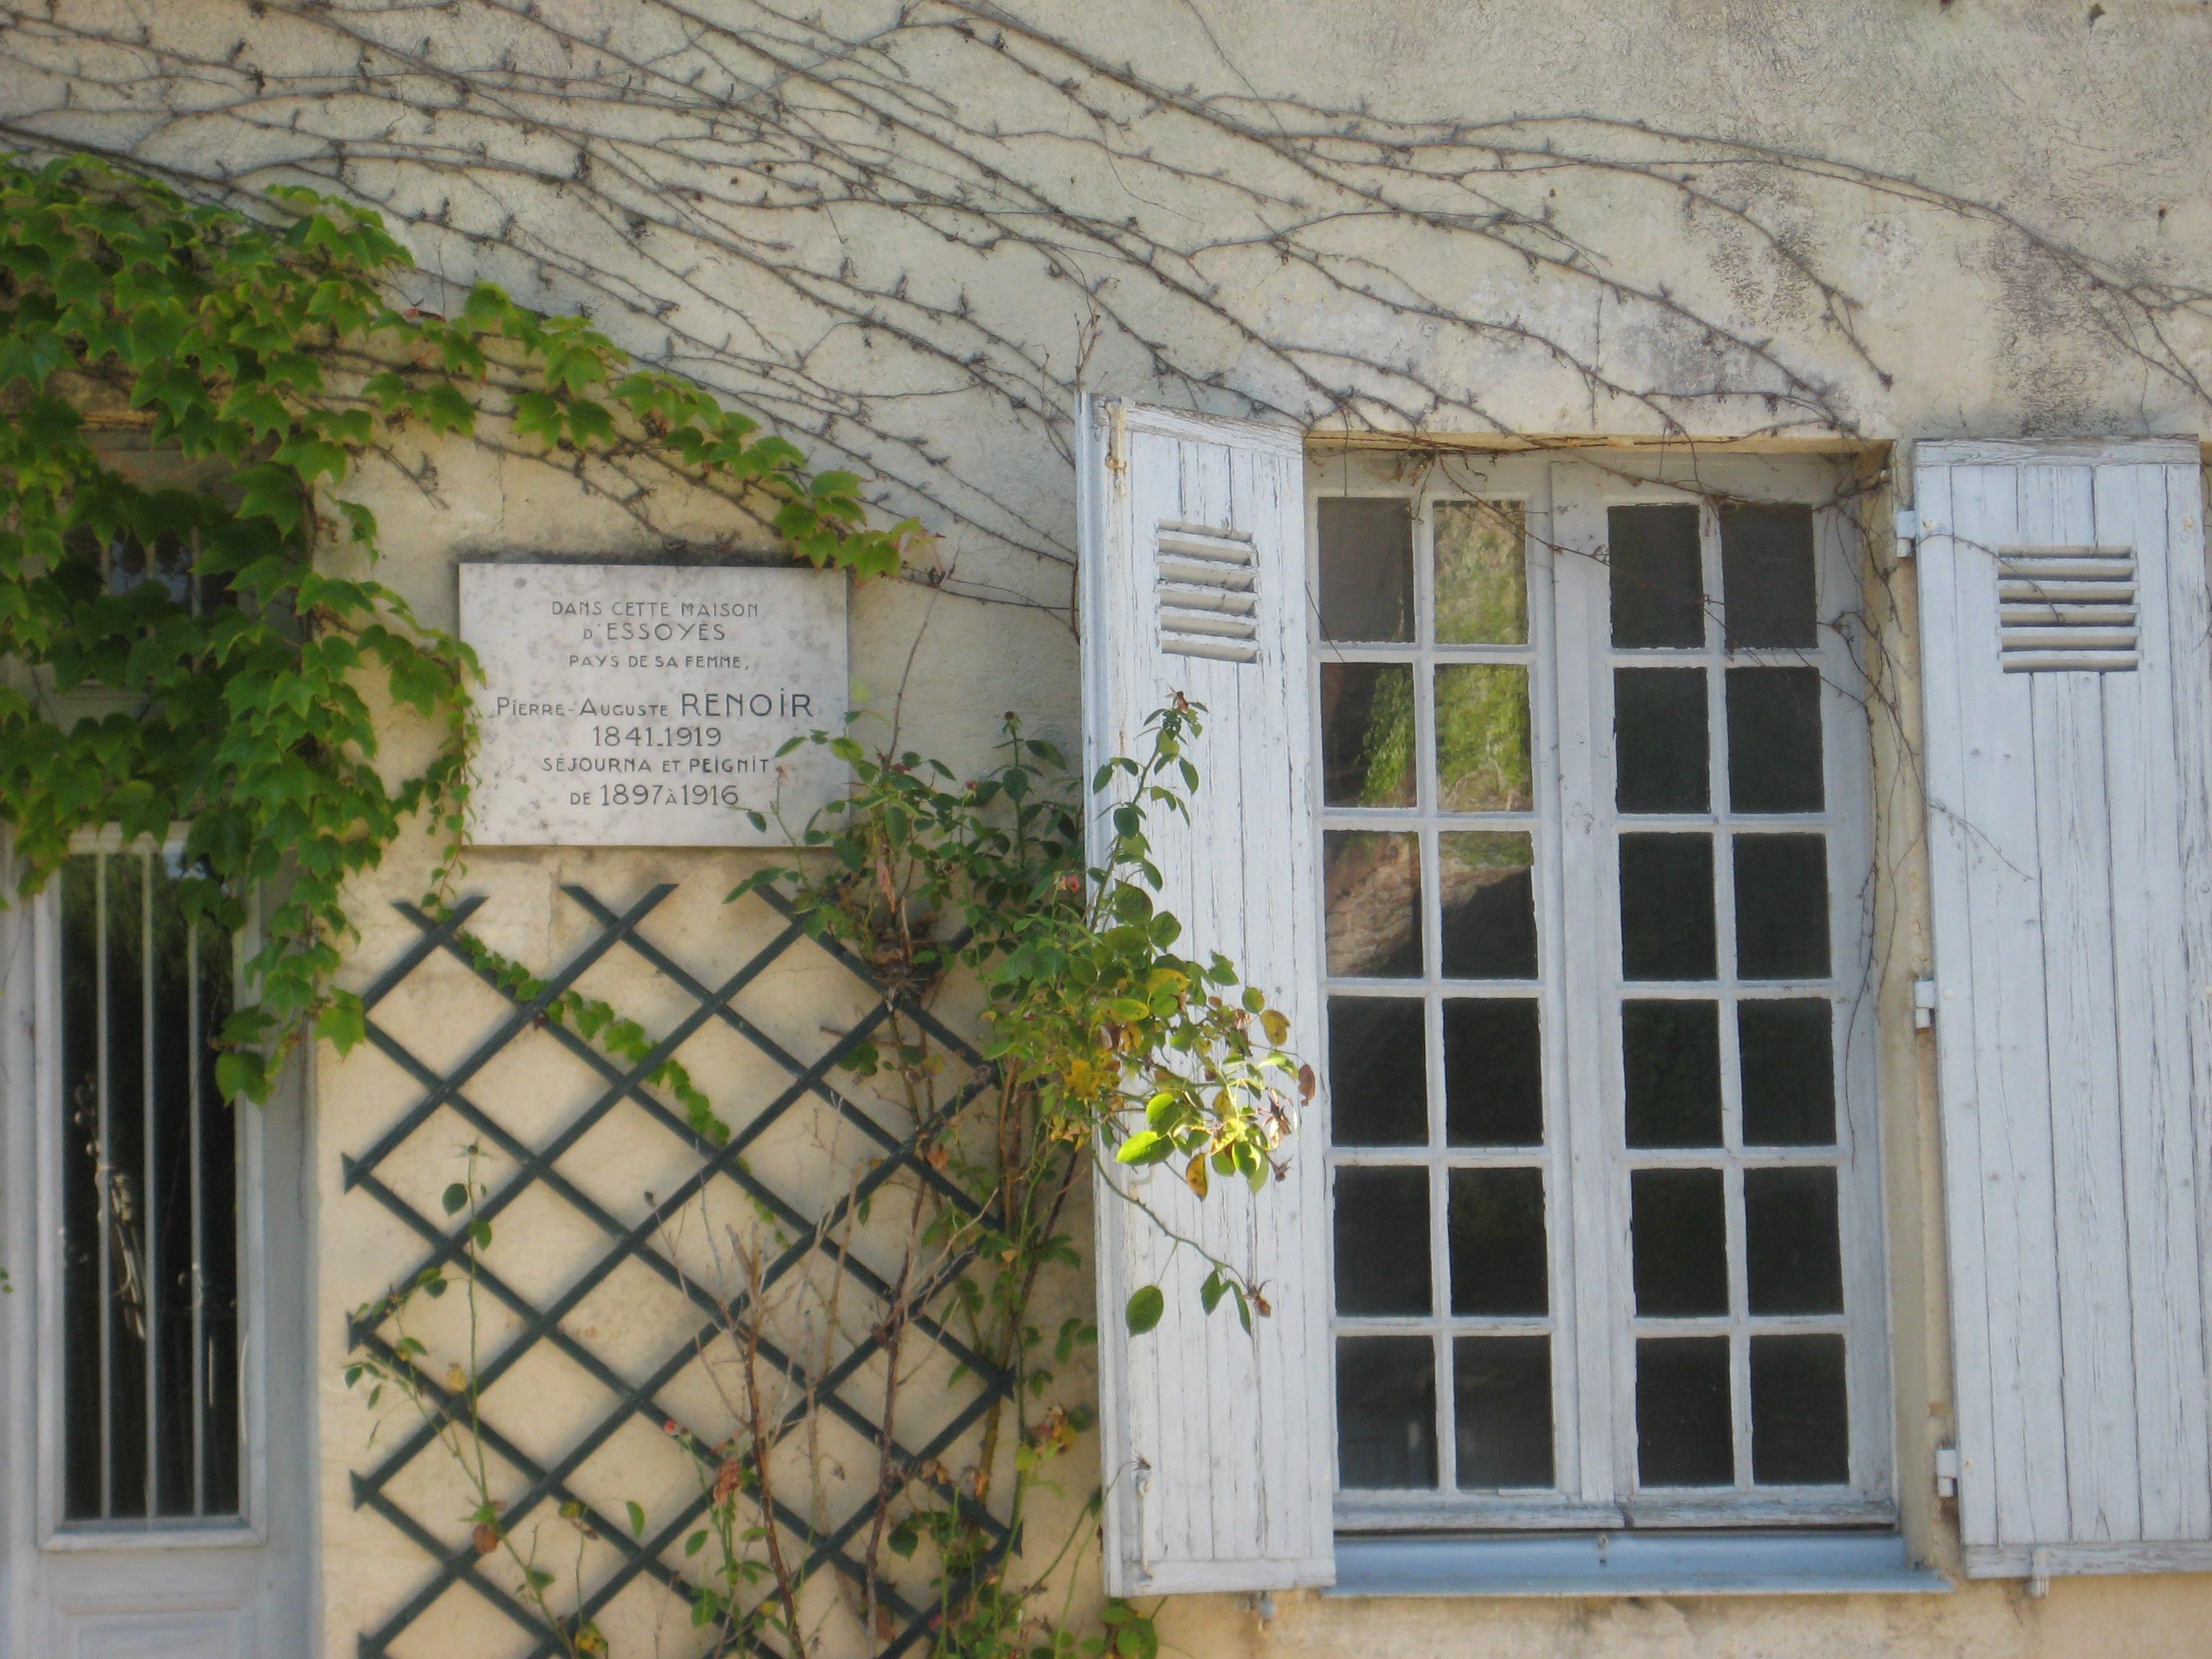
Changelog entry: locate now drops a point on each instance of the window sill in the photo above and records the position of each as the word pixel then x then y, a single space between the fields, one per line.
pixel 1802 1563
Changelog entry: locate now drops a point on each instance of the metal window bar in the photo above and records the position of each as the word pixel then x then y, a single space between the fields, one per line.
pixel 456 1561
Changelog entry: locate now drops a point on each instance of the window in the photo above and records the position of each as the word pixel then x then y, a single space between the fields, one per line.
pixel 1595 873
pixel 149 1269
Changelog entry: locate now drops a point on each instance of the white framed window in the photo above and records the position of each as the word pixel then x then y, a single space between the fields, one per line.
pixel 1596 884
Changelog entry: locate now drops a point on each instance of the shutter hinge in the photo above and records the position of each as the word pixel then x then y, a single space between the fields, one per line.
pixel 1923 1003
pixel 1908 531
pixel 1947 1471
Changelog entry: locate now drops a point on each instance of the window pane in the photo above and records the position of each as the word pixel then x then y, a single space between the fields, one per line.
pixel 1658 591
pixel 1386 1411
pixel 1494 1072
pixel 1482 737
pixel 1684 1433
pixel 1793 1259
pixel 1678 1225
pixel 1378 1074
pixel 1667 906
pixel 1774 740
pixel 1482 572
pixel 1800 1428
pixel 1766 576
pixel 1781 906
pixel 1788 1055
pixel 1373 881
pixel 1502 1411
pixel 1383 1242
pixel 1499 1265
pixel 1366 569
pixel 1671 1070
pixel 1489 904
pixel 1367 733
pixel 1661 749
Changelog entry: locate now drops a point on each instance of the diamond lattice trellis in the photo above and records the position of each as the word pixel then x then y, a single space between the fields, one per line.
pixel 813 1230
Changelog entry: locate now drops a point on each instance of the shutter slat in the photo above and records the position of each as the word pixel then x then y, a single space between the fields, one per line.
pixel 2073 928
pixel 1216 1445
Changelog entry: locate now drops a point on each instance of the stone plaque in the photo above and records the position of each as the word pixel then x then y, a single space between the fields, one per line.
pixel 642 705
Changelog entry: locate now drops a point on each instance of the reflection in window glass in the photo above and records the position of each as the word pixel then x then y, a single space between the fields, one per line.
pixel 1685 1435
pixel 1367 734
pixel 1502 1396
pixel 1494 1072
pixel 1366 569
pixel 1767 585
pixel 1482 737
pixel 1372 881
pixel 1657 584
pixel 1386 1411
pixel 1482 572
pixel 1489 903
pixel 1378 1074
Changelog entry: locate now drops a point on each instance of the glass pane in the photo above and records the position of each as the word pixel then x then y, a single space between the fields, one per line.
pixel 1489 904
pixel 1801 1425
pixel 1502 1411
pixel 1366 569
pixel 1386 1411
pixel 1662 754
pixel 1494 1072
pixel 1482 737
pixel 1781 906
pixel 1482 572
pixel 1378 1072
pixel 1678 1225
pixel 1666 907
pixel 1383 1242
pixel 1774 740
pixel 1671 1070
pixel 1367 733
pixel 1766 576
pixel 1685 1435
pixel 1658 590
pixel 1373 881
pixel 1793 1259
pixel 1788 1055
pixel 1498 1262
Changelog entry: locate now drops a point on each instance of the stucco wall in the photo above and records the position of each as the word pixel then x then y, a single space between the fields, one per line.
pixel 1931 287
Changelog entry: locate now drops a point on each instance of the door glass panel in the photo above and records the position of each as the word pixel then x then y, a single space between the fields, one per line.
pixel 1489 904
pixel 1788 1064
pixel 1663 755
pixel 1386 1411
pixel 1494 1072
pixel 1482 572
pixel 1678 1230
pixel 1499 1265
pixel 1372 880
pixel 1767 583
pixel 1656 582
pixel 1684 1434
pixel 1781 906
pixel 1666 907
pixel 1378 1072
pixel 1367 734
pixel 1793 1259
pixel 1383 1241
pixel 1671 1073
pixel 1501 1395
pixel 1800 1429
pixel 1774 740
pixel 1482 737
pixel 1366 569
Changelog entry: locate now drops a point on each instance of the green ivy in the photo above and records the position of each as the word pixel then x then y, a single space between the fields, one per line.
pixel 234 679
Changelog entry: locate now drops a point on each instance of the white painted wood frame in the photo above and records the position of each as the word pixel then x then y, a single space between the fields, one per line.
pixel 1215 1445
pixel 2070 840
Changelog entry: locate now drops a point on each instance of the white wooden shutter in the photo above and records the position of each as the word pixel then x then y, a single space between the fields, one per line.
pixel 1217 1446
pixel 2068 699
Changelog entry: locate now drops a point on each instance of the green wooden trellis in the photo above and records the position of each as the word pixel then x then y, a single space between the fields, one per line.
pixel 538 1167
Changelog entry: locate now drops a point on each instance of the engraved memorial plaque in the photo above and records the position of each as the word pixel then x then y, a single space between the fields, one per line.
pixel 642 705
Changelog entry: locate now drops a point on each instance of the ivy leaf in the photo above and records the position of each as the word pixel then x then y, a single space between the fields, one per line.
pixel 344 1023
pixel 1146 1306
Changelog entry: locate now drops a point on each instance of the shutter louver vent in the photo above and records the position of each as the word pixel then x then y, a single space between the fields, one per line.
pixel 1207 605
pixel 2067 609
